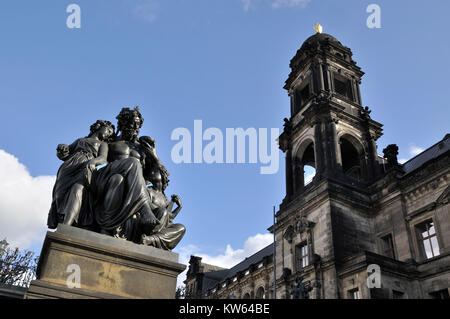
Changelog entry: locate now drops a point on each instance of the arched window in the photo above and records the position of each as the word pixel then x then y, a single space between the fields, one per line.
pixel 246 296
pixel 309 164
pixel 260 293
pixel 352 158
pixel 305 166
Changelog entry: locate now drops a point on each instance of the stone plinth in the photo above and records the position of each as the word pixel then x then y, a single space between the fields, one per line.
pixel 109 268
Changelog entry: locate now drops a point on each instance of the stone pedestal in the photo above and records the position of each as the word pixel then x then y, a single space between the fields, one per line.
pixel 106 267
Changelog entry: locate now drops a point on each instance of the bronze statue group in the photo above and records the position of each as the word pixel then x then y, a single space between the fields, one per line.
pixel 116 198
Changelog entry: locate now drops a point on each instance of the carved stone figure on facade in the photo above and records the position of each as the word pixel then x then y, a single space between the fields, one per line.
pixel 299 290
pixel 365 113
pixel 301 224
pixel 322 98
pixel 70 192
pixel 287 126
pixel 391 153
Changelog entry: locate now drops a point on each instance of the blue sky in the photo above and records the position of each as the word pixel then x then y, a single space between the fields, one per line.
pixel 222 62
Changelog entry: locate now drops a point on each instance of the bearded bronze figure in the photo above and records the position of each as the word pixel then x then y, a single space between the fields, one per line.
pixel 116 200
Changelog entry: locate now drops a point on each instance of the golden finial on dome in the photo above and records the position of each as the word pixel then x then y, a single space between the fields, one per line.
pixel 318 28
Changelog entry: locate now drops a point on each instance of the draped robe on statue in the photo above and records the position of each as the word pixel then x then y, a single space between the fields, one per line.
pixel 71 172
pixel 130 197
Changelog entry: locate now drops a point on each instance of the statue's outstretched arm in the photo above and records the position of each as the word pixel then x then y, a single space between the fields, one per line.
pixel 63 151
pixel 176 199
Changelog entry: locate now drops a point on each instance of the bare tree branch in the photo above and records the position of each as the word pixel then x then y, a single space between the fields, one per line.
pixel 17 267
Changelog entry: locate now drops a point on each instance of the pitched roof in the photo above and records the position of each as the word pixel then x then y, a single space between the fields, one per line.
pixel 433 152
pixel 221 275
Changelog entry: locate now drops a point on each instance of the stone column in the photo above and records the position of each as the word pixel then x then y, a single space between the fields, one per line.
pixel 289 177
pixel 318 149
pixel 322 82
pixel 359 92
pixel 333 145
pixel 299 176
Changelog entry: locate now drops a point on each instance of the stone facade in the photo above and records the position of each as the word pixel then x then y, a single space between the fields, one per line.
pixel 250 279
pixel 361 212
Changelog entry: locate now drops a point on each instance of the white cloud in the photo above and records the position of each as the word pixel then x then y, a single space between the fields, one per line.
pixel 229 258
pixel 146 10
pixel 290 3
pixel 248 4
pixel 24 202
pixel 415 150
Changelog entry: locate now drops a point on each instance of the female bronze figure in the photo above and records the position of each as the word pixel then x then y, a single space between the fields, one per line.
pixel 74 175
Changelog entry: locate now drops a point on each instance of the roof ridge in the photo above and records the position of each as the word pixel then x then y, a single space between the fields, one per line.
pixel 437 143
pixel 251 256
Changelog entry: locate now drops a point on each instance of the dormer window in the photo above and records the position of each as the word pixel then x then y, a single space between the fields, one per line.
pixel 343 86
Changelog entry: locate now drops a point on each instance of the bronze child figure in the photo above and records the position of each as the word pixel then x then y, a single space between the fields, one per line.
pixel 167 234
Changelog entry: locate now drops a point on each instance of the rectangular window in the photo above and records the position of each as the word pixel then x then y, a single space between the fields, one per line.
pixel 427 235
pixel 354 294
pixel 302 254
pixel 441 294
pixel 388 246
pixel 343 86
pixel 304 94
pixel 301 97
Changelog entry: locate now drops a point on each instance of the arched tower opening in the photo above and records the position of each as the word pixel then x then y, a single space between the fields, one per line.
pixel 309 165
pixel 305 165
pixel 352 158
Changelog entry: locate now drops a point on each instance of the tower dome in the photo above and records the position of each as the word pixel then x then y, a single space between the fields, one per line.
pixel 321 38
pixel 322 48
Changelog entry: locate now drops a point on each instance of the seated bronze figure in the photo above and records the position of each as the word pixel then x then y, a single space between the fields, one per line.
pixel 115 199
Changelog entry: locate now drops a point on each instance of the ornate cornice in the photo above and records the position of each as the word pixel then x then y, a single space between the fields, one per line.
pixel 299 225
